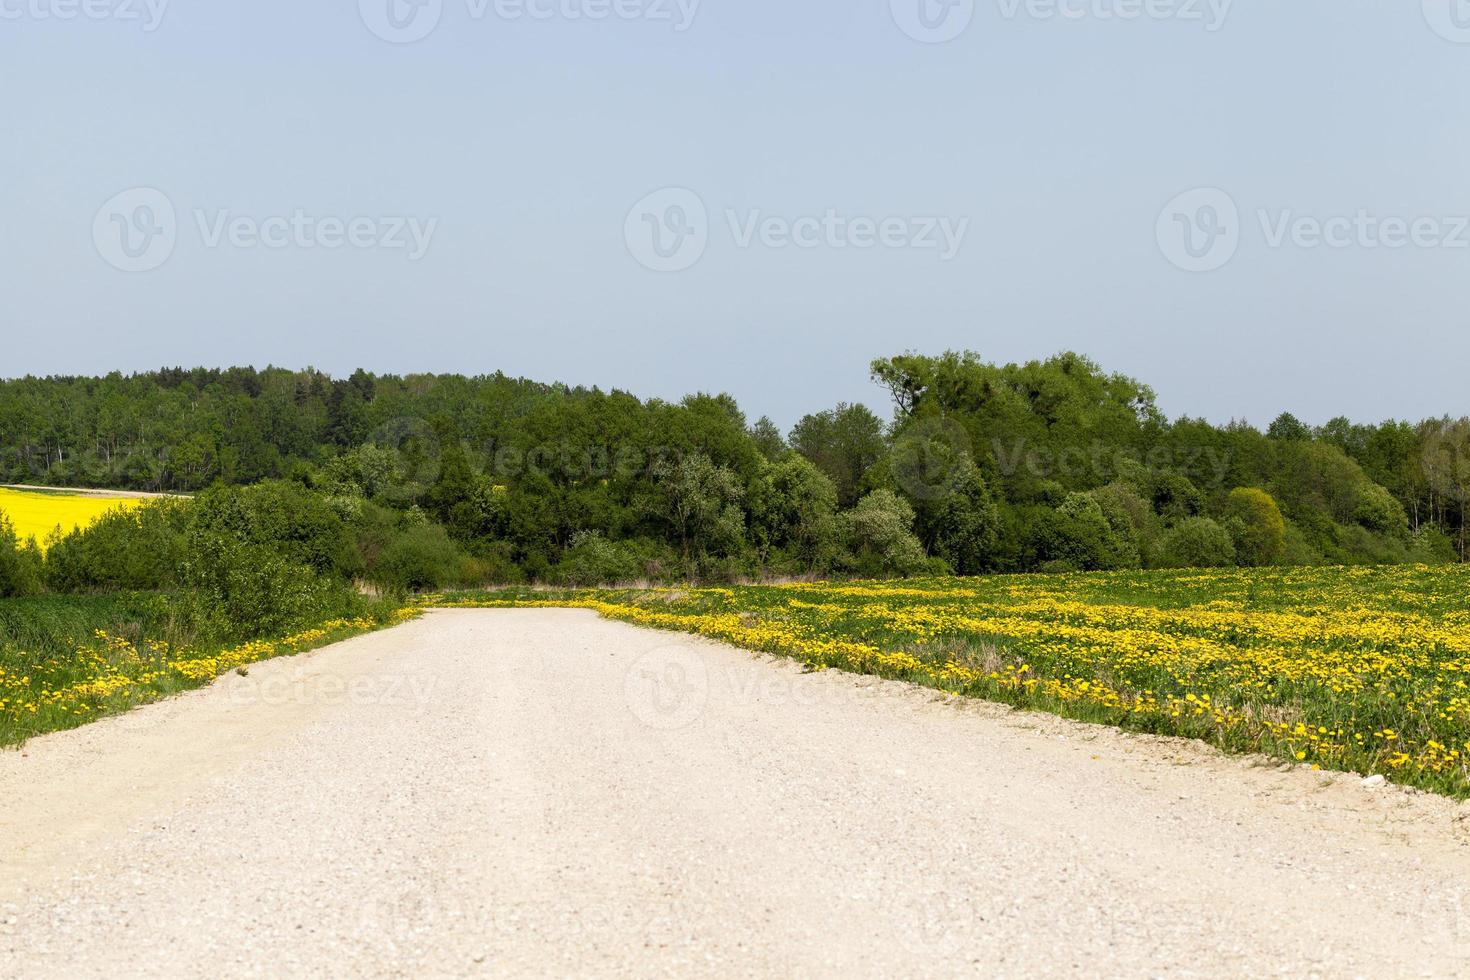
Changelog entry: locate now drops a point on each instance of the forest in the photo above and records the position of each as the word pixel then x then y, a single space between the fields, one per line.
pixel 430 481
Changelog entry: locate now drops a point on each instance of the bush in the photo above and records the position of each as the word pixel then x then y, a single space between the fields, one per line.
pixel 879 537
pixel 1197 542
pixel 423 558
pixel 250 590
pixel 1360 546
pixel 960 524
pixel 1075 536
pixel 294 522
pixel 20 565
pixel 793 515
pixel 1297 550
pixel 138 549
pixel 594 560
pixel 1431 546
pixel 1258 528
pixel 1134 525
pixel 1176 497
pixel 1377 510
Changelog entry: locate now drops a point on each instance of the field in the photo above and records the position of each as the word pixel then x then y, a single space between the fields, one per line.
pixel 36 513
pixel 68 660
pixel 1358 669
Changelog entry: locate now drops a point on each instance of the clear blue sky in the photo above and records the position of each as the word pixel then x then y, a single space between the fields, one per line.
pixel 1059 139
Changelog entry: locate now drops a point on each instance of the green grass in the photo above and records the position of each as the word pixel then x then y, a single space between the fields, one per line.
pixel 57 673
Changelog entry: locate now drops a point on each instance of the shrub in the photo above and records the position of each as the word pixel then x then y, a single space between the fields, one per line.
pixel 139 549
pixel 960 524
pixel 594 560
pixel 20 565
pixel 422 558
pixel 879 536
pixel 1259 529
pixel 1075 536
pixel 1377 510
pixel 793 515
pixel 1197 542
pixel 250 590
pixel 1297 550
pixel 1134 525
pixel 1431 546
pixel 298 524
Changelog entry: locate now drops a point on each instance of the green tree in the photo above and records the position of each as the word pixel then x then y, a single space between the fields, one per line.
pixel 1260 537
pixel 1288 428
pixel 843 443
pixel 19 564
pixel 879 536
pixel 1197 542
pixel 961 524
pixel 699 502
pixel 793 514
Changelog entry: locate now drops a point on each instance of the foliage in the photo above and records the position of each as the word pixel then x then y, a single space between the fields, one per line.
pixel 793 516
pixel 594 560
pixel 843 443
pixel 422 557
pixel 698 501
pixel 990 457
pixel 20 566
pixel 1259 528
pixel 878 535
pixel 1196 542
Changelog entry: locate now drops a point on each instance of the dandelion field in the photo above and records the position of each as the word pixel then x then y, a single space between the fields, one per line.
pixel 1356 669
pixel 37 513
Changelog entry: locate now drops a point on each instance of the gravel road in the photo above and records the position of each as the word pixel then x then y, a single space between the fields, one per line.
pixel 529 793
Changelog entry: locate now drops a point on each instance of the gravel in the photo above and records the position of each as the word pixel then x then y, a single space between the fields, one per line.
pixel 543 793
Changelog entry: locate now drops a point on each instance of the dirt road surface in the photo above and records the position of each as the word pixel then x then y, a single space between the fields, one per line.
pixel 543 793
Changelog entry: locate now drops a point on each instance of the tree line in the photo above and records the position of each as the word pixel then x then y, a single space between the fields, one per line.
pixel 428 480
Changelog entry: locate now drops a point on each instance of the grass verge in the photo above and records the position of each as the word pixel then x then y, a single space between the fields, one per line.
pixel 69 660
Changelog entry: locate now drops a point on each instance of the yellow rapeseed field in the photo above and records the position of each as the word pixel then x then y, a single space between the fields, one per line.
pixel 1361 669
pixel 36 514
